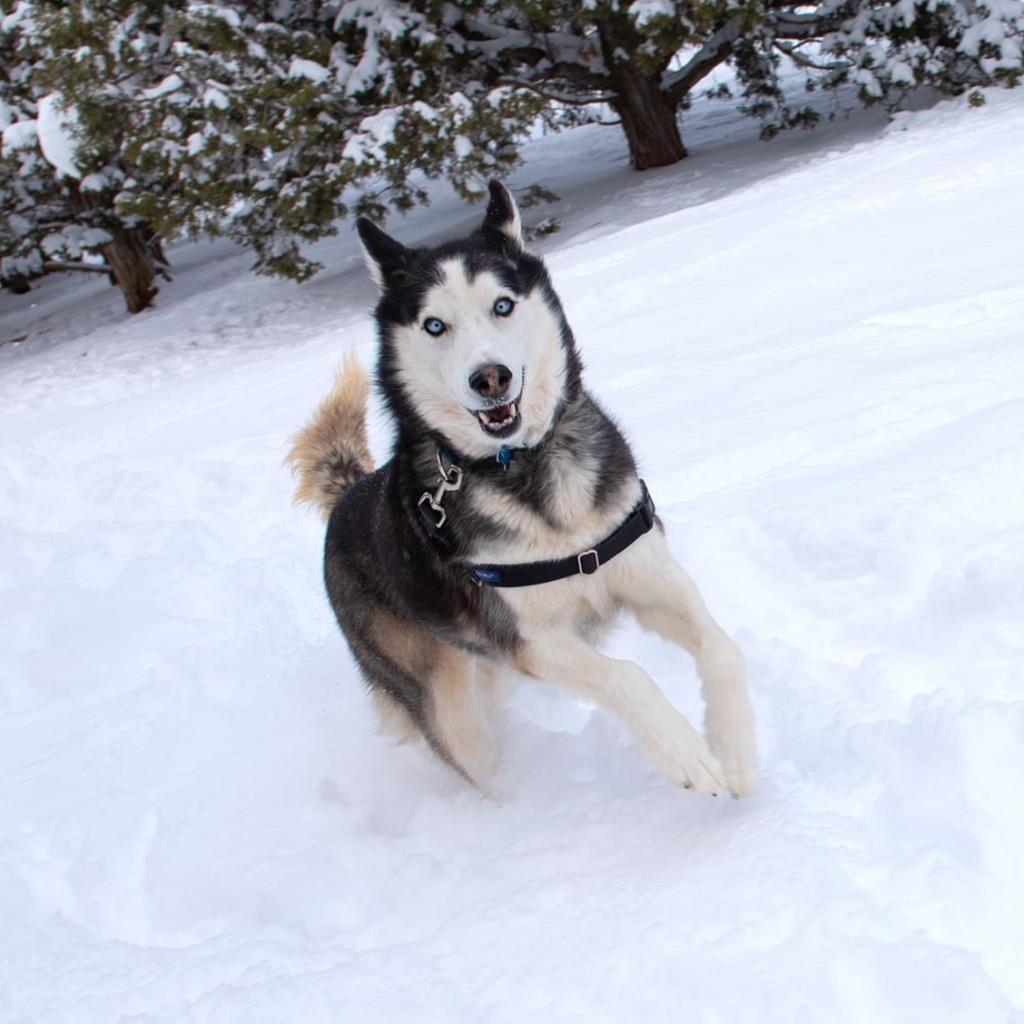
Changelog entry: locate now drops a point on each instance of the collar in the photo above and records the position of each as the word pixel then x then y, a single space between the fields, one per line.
pixel 503 457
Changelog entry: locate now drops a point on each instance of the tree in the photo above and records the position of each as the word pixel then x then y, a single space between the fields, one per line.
pixel 130 120
pixel 275 120
pixel 59 183
pixel 887 49
pixel 644 58
pixel 603 51
pixel 265 122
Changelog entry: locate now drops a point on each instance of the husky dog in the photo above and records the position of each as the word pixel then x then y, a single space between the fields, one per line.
pixel 509 524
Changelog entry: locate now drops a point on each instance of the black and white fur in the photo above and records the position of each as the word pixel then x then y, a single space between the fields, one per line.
pixel 432 643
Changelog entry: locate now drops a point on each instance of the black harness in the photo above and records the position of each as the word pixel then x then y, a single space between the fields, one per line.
pixel 433 517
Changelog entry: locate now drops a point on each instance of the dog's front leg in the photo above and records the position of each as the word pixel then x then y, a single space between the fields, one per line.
pixel 666 601
pixel 677 750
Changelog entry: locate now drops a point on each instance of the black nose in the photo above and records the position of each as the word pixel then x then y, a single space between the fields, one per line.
pixel 491 381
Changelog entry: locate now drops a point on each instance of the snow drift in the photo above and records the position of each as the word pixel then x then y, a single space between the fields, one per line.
pixel 815 349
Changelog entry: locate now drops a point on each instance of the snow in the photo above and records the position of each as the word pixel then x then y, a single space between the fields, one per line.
pixel 167 85
pixel 375 133
pixel 227 14
pixel 55 128
pixel 18 135
pixel 644 11
pixel 309 69
pixel 95 182
pixel 814 346
pixel 214 97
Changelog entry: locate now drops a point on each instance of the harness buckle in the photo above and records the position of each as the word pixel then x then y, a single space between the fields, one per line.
pixel 451 480
pixel 433 500
pixel 579 562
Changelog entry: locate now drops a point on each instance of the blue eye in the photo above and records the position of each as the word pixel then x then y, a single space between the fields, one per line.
pixel 503 306
pixel 434 326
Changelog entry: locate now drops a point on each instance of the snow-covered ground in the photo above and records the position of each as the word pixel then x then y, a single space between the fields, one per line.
pixel 815 346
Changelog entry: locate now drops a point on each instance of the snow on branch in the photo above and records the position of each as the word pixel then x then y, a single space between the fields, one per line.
pixel 569 99
pixel 561 48
pixel 55 266
pixel 705 60
pixel 797 25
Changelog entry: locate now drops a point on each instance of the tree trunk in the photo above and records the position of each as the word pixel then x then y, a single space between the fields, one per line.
pixel 16 283
pixel 131 267
pixel 648 117
pixel 646 110
pixel 128 253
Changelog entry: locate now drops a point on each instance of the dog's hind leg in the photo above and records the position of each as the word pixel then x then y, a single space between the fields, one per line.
pixel 394 720
pixel 461 694
pixel 422 685
pixel 677 750
pixel 666 601
pixel 447 708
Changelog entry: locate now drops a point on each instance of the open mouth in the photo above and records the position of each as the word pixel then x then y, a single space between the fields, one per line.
pixel 500 420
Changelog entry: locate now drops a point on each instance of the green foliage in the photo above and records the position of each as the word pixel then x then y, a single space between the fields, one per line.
pixel 267 122
pixel 270 121
pixel 888 49
pixel 30 194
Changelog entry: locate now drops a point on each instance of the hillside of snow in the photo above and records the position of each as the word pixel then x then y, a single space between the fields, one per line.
pixel 815 346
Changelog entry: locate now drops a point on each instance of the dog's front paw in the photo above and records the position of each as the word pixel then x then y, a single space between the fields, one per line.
pixel 689 763
pixel 737 754
pixel 740 768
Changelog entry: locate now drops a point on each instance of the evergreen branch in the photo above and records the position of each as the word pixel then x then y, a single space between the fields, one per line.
pixel 544 70
pixel 802 60
pixel 556 97
pixel 715 50
pixel 53 266
pixel 791 25
pixel 560 47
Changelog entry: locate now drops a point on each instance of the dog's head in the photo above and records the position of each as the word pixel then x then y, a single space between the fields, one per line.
pixel 474 344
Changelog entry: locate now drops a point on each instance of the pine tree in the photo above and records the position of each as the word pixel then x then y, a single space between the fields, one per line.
pixel 125 121
pixel 274 120
pixel 63 175
pixel 605 51
pixel 644 58
pixel 888 49
pixel 265 122
pixel 28 188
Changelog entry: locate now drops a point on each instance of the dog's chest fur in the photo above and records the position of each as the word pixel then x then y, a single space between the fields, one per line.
pixel 559 500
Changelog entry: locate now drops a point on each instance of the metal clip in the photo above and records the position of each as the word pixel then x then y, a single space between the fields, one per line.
pixel 451 480
pixel 427 497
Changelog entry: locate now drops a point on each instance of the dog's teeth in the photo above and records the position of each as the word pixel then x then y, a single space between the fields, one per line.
pixel 492 424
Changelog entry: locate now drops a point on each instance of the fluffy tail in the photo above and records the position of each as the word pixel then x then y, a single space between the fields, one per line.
pixel 330 453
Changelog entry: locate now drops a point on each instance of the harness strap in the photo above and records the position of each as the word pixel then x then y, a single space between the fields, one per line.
pixel 586 563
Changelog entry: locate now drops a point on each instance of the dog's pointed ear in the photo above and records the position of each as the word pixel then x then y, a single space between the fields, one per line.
pixel 502 214
pixel 384 255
